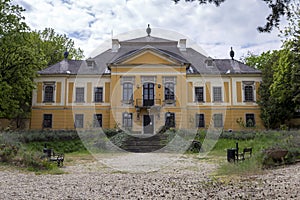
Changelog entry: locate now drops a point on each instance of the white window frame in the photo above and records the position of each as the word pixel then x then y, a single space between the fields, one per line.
pixel 213 94
pixel 214 120
pixel 53 85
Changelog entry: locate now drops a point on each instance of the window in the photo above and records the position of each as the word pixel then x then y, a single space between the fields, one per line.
pixel 170 120
pixel 127 120
pixel 248 92
pixel 217 92
pixel 218 120
pixel 49 92
pixel 200 123
pixel 199 94
pixel 250 120
pixel 128 92
pixel 97 120
pixel 98 94
pixel 79 94
pixel 47 121
pixel 79 121
pixel 169 91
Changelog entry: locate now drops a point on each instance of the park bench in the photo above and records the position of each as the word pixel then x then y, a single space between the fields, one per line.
pixel 247 150
pixel 234 155
pixel 53 156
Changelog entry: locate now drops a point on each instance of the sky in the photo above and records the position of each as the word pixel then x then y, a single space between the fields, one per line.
pixel 210 29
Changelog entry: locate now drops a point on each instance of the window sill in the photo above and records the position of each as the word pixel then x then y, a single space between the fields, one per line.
pixel 129 102
pixel 48 101
pixel 79 101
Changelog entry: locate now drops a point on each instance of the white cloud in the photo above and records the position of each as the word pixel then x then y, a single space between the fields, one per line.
pixel 215 29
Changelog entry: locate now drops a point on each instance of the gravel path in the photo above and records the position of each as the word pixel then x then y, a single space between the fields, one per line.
pixel 186 178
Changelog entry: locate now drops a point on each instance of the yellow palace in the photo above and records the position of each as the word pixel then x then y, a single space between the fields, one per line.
pixel 143 84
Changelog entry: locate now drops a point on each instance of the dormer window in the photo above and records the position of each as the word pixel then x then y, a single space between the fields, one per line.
pixel 90 63
pixel 209 62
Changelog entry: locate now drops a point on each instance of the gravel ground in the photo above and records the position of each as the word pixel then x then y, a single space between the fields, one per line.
pixel 185 178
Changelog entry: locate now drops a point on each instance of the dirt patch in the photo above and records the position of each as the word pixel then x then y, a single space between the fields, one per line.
pixel 185 178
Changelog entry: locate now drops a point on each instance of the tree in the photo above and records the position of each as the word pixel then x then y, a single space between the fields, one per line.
pixel 279 8
pixel 11 18
pixel 19 62
pixel 22 54
pixel 53 46
pixel 268 106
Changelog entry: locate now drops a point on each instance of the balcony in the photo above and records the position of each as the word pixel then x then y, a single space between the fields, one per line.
pixel 146 103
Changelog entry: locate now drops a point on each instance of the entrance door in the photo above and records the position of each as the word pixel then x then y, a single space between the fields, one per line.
pixel 148 124
pixel 148 94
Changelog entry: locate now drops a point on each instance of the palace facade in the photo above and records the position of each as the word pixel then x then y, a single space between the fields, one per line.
pixel 143 84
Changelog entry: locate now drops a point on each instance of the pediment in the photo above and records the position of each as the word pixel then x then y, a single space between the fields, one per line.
pixel 149 56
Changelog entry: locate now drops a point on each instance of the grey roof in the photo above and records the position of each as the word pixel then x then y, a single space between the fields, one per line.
pixel 148 40
pixel 166 53
pixel 197 62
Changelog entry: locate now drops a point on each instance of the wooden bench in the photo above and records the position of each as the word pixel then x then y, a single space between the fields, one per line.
pixel 247 150
pixel 233 154
pixel 53 157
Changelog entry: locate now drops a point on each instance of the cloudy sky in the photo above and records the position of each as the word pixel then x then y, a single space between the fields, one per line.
pixel 214 29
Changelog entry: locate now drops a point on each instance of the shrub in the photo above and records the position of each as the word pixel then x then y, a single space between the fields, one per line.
pixel 8 152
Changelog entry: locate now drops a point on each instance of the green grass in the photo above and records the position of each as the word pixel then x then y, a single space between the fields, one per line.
pixel 259 141
pixel 32 143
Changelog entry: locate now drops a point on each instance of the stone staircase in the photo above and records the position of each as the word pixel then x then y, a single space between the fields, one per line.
pixel 144 144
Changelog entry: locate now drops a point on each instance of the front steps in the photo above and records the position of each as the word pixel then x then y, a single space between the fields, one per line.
pixel 144 144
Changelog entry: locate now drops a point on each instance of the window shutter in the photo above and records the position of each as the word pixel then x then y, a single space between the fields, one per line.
pixel 39 92
pixel 239 92
pixel 58 92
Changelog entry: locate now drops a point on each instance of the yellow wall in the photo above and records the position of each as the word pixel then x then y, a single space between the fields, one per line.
pixel 185 108
pixel 148 58
pixel 64 118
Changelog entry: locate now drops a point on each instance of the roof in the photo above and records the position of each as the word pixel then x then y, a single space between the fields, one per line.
pixel 197 62
pixel 148 40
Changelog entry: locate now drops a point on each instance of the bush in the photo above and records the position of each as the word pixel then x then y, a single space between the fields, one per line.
pixel 34 162
pixel 8 152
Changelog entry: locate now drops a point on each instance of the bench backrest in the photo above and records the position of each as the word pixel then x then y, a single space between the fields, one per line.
pixel 248 150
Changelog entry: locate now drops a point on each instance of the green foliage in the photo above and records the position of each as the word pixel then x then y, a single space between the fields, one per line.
pixel 53 45
pixel 11 19
pixel 279 86
pixel 23 53
pixel 261 142
pixel 8 152
pixel 38 136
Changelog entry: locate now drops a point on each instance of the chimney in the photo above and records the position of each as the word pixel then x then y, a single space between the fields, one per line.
pixel 115 45
pixel 182 44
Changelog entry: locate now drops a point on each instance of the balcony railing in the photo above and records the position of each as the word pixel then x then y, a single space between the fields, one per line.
pixel 147 103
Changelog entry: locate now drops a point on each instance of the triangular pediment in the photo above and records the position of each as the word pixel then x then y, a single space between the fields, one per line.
pixel 149 57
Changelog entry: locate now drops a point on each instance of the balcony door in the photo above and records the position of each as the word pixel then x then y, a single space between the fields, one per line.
pixel 148 94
